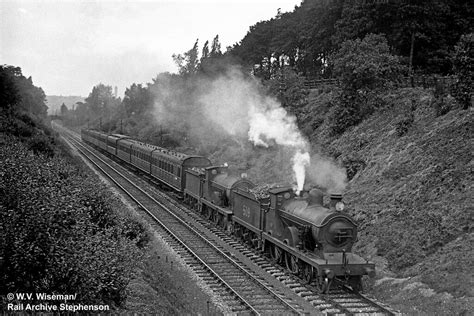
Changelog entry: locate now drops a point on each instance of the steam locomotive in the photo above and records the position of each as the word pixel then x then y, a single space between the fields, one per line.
pixel 314 241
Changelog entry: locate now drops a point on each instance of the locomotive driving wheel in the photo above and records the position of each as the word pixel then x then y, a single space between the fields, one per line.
pixel 292 263
pixel 308 273
pixel 276 253
pixel 231 228
pixel 220 220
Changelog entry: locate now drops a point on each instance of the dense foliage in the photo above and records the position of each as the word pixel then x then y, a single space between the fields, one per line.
pixel 23 110
pixel 19 95
pixel 422 32
pixel 364 67
pixel 59 232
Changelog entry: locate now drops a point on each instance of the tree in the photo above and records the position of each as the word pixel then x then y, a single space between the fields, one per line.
pixel 364 67
pixel 188 63
pixel 463 62
pixel 64 110
pixel 289 88
pixel 100 101
pixel 215 47
pixel 137 100
pixel 366 64
pixel 205 51
pixel 19 94
pixel 9 93
pixel 33 98
pixel 424 32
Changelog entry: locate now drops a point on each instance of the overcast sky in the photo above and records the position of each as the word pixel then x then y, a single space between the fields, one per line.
pixel 71 45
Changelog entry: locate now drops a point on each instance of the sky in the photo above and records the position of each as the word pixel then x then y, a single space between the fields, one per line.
pixel 70 46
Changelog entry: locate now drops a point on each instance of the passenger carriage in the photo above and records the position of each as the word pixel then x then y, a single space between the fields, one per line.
pixel 124 149
pixel 112 141
pixel 169 166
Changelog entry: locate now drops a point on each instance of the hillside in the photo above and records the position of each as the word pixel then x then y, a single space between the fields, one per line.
pixel 54 102
pixel 411 194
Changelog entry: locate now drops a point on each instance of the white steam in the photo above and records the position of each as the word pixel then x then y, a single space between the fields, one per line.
pixel 326 174
pixel 300 162
pixel 239 107
pixel 274 124
pixel 233 107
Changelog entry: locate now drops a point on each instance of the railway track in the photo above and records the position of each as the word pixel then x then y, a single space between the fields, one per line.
pixel 338 302
pixel 241 289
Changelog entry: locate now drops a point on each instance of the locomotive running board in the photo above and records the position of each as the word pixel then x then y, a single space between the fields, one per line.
pixel 246 225
pixel 331 261
pixel 217 208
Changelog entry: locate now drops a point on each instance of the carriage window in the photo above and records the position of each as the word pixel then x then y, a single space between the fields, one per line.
pixel 179 172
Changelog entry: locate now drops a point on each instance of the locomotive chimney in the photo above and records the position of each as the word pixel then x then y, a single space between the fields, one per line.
pixel 335 198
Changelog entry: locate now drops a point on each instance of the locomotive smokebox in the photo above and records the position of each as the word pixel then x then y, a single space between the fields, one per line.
pixel 336 199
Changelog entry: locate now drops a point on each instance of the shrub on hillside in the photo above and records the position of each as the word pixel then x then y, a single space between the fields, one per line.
pixel 351 108
pixel 440 106
pixel 406 121
pixel 353 166
pixel 42 144
pixel 403 125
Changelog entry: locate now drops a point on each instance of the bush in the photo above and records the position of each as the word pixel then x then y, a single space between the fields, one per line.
pixel 350 109
pixel 42 144
pixel 366 64
pixel 58 233
pixel 405 122
pixel 353 166
pixel 20 128
pixel 440 106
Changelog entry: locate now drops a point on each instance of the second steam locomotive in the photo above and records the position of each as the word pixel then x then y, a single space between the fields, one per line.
pixel 314 241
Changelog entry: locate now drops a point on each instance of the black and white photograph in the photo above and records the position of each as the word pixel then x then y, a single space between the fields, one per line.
pixel 252 157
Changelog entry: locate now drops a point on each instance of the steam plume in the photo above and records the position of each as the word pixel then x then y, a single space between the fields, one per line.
pixel 300 161
pixel 221 117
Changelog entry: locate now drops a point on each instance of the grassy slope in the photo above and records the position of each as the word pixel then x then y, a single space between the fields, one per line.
pixel 413 195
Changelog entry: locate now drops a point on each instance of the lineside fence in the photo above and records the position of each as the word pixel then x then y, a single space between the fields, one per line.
pixel 405 82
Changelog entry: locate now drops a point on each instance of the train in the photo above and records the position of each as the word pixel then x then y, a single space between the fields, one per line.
pixel 313 240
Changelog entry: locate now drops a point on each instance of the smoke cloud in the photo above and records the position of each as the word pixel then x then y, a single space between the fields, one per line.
pixel 326 174
pixel 230 119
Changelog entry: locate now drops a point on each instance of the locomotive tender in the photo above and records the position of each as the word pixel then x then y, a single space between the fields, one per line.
pixel 312 240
